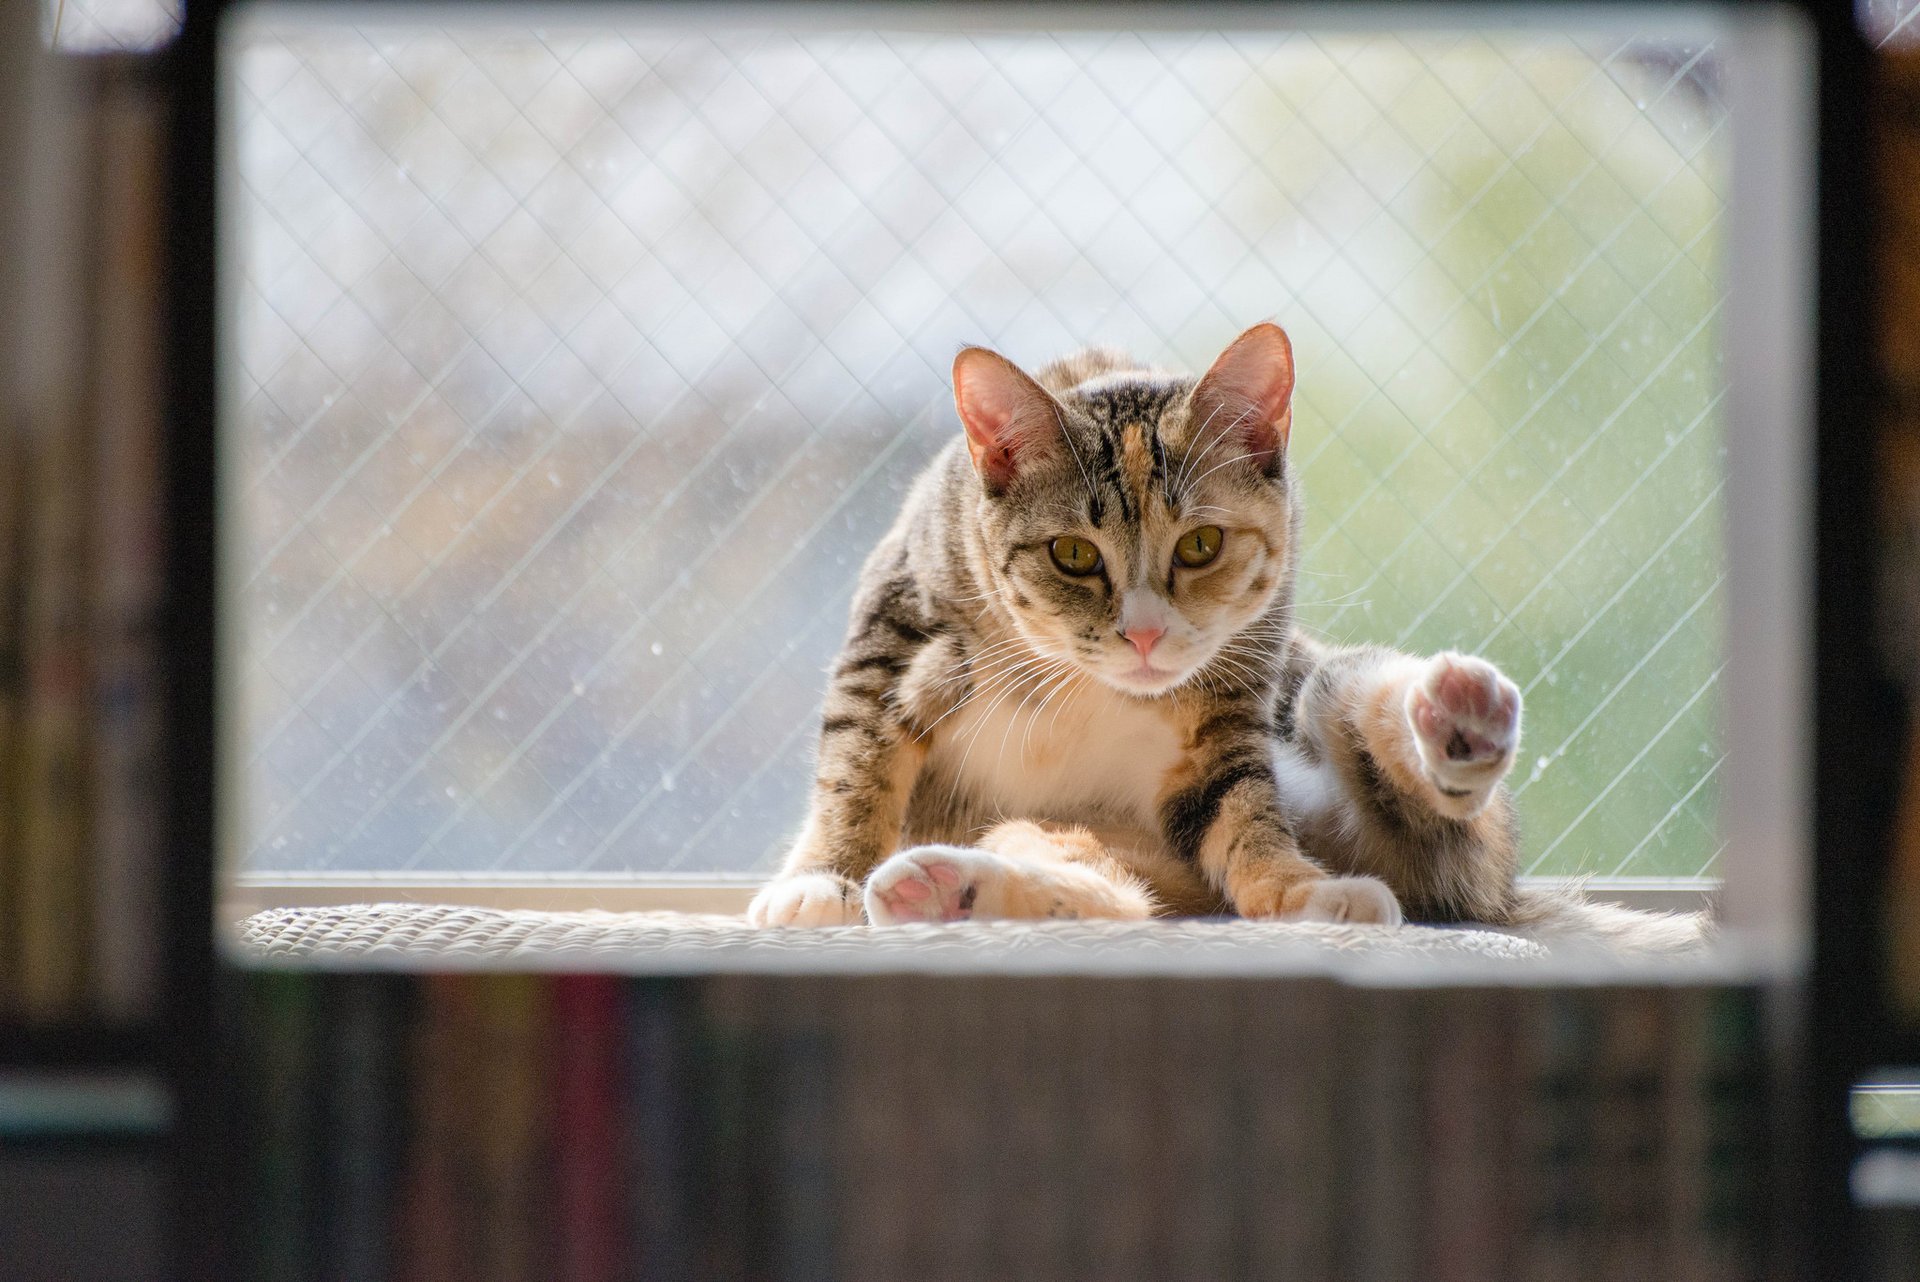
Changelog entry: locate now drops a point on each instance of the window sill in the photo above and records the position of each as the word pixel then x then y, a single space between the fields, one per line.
pixel 247 895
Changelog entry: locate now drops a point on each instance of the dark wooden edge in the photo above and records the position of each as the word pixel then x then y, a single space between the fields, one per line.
pixel 208 1207
pixel 1860 717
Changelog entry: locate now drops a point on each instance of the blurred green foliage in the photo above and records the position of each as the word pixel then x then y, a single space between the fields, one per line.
pixel 1518 452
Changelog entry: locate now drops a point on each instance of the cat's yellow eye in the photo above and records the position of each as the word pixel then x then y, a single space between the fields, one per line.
pixel 1197 547
pixel 1075 556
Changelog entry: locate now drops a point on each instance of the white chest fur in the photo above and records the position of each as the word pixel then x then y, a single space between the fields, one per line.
pixel 1086 754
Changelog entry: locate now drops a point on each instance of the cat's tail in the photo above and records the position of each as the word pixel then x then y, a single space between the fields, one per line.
pixel 1565 914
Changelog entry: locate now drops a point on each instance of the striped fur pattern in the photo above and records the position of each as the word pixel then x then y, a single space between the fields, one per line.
pixel 1060 695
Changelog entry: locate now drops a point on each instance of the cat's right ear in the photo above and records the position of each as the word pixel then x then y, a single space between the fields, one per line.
pixel 1010 420
pixel 1249 394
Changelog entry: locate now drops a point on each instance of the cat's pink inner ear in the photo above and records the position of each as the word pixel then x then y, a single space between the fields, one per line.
pixel 1249 393
pixel 1007 416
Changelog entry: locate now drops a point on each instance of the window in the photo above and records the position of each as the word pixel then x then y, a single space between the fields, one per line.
pixel 575 370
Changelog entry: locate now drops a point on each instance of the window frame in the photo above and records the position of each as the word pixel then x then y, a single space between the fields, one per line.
pixel 1764 893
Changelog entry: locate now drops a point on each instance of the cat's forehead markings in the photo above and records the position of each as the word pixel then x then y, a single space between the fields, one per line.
pixel 1136 456
pixel 1116 398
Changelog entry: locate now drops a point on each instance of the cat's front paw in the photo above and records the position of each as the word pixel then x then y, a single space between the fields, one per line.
pixel 1465 718
pixel 1361 900
pixel 806 899
pixel 932 883
pixel 1364 901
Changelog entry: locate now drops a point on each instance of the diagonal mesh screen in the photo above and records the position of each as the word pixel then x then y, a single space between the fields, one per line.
pixel 578 371
pixel 108 26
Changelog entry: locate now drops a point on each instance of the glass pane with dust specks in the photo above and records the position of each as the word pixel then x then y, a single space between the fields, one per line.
pixel 578 369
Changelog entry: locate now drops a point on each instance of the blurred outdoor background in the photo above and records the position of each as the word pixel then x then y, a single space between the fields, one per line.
pixel 578 370
pixel 109 26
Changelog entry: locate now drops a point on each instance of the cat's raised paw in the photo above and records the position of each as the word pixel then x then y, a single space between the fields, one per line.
pixel 1359 900
pixel 1465 718
pixel 931 883
pixel 806 899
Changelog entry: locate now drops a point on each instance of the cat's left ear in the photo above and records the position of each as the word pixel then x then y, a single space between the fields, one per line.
pixel 1249 394
pixel 1010 419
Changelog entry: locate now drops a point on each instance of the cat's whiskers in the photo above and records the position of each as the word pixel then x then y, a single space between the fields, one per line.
pixel 973 738
pixel 1063 684
pixel 998 647
pixel 1345 598
pixel 1029 710
pixel 1093 495
pixel 1262 645
pixel 989 595
pixel 1006 682
pixel 970 663
pixel 1253 652
pixel 1265 636
pixel 1238 458
pixel 1061 707
pixel 1191 460
pixel 1012 648
pixel 987 683
pixel 990 679
pixel 1206 443
pixel 1247 674
pixel 1007 666
pixel 1225 434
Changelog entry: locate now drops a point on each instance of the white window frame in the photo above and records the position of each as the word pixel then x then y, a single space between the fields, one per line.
pixel 1764 897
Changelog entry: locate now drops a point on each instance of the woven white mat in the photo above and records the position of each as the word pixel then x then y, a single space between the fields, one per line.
pixel 438 936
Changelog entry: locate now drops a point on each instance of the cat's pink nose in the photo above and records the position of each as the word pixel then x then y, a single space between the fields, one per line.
pixel 1143 639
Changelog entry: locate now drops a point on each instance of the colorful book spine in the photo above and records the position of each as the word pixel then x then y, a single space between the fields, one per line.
pixel 362 1100
pixel 732 1080
pixel 663 1133
pixel 1288 1033
pixel 1730 1095
pixel 1384 1043
pixel 1630 1172
pixel 1118 1219
pixel 53 879
pixel 284 1014
pixel 439 1191
pixel 80 732
pixel 506 1135
pixel 1194 1048
pixel 1020 1137
pixel 807 1121
pixel 17 57
pixel 126 787
pixel 879 1208
pixel 13 466
pixel 1559 1042
pixel 1468 1133
pixel 1686 1132
pixel 589 1088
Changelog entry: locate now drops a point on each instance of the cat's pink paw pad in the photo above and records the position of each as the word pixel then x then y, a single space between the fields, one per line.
pixel 929 883
pixel 1466 724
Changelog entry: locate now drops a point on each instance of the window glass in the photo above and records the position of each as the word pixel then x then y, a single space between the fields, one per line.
pixel 578 370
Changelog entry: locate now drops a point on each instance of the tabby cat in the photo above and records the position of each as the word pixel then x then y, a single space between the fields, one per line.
pixel 1073 686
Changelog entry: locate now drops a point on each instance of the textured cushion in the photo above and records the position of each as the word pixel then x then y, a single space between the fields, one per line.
pixel 421 936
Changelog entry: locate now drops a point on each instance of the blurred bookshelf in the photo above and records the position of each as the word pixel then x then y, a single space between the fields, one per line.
pixel 93 1013
pixel 164 1115
pixel 1867 981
